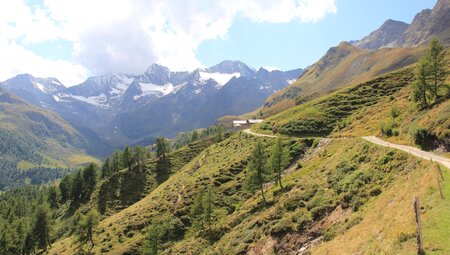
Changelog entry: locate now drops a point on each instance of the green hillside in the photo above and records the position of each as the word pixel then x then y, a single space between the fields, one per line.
pixel 32 137
pixel 342 66
pixel 323 115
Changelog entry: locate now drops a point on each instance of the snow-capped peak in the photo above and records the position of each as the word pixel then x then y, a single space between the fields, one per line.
pixel 232 66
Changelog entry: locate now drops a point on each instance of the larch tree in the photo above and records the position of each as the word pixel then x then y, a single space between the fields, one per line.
pixel 278 161
pixel 84 227
pixel 257 172
pixel 41 228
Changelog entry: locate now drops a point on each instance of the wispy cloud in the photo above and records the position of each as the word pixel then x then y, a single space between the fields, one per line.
pixel 128 35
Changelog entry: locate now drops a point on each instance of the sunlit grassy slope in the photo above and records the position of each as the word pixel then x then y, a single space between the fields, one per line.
pixel 341 66
pixel 345 189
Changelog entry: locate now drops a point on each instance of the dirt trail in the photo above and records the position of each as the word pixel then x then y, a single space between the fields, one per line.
pixel 248 131
pixel 412 150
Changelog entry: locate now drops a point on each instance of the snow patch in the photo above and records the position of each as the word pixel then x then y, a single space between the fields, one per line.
pixel 57 83
pixel 40 86
pixel 220 78
pixel 271 68
pixel 291 81
pixel 100 101
pixel 154 89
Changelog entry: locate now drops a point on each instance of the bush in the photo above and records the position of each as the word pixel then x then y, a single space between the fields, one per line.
pixel 387 128
pixel 395 112
pixel 320 211
pixel 282 226
pixel 422 137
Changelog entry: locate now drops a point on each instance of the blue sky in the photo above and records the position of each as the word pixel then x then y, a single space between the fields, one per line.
pixel 72 40
pixel 292 45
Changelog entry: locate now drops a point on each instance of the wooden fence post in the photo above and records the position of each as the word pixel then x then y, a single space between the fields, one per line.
pixel 419 227
pixel 438 167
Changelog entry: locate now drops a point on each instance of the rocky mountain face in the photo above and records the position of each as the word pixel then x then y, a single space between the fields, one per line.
pixel 390 31
pixel 128 109
pixel 426 24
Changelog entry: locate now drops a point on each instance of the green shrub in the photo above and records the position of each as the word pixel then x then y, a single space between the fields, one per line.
pixel 395 112
pixel 387 128
pixel 284 225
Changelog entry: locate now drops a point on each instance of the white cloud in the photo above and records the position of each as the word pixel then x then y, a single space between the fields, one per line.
pixel 128 35
pixel 16 60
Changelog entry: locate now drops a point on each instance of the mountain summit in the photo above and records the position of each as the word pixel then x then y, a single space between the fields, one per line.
pixel 387 33
pixel 232 66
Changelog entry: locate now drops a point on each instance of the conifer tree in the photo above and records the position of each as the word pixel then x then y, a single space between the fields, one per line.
pixel 77 186
pixel 437 71
pixel 89 180
pixel 84 227
pixel 106 168
pixel 41 228
pixel 257 172
pixel 208 207
pixel 194 136
pixel 53 197
pixel 162 147
pixel 197 209
pixel 65 186
pixel 277 161
pixel 431 74
pixel 151 244
pixel 126 157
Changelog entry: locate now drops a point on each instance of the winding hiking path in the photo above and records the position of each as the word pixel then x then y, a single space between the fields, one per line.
pixel 414 151
pixel 248 131
pixel 373 139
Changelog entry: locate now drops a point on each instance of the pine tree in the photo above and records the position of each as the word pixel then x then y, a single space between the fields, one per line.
pixel 277 161
pixel 197 209
pixel 194 136
pixel 208 207
pixel 84 227
pixel 89 180
pixel 257 170
pixel 162 147
pixel 437 71
pixel 126 157
pixel 420 86
pixel 431 74
pixel 53 197
pixel 77 187
pixel 41 228
pixel 65 186
pixel 116 164
pixel 29 244
pixel 151 244
pixel 106 168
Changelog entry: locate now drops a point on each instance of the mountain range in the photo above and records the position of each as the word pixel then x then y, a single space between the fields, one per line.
pixel 130 109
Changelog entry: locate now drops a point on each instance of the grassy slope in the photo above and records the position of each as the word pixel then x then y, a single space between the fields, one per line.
pixel 221 164
pixel 45 132
pixel 286 224
pixel 321 116
pixel 368 120
pixel 342 66
pixel 129 185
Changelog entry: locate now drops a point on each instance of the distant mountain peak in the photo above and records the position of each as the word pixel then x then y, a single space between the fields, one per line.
pixel 388 32
pixel 156 68
pixel 233 66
